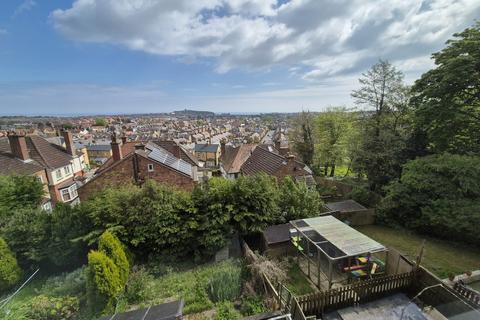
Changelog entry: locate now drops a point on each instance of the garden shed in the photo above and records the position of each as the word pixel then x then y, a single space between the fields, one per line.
pixel 329 251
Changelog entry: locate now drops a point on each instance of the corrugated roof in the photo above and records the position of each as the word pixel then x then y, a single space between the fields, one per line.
pixel 342 236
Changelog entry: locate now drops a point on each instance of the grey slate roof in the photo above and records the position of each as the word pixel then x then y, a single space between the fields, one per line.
pixel 203 147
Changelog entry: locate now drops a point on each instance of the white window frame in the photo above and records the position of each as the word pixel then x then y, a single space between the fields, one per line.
pixel 67 170
pixel 70 191
pixel 150 167
pixel 58 174
pixel 40 178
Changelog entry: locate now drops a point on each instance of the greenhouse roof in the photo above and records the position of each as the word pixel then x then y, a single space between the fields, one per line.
pixel 348 240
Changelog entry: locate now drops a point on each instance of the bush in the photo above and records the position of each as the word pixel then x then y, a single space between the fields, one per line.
pixel 43 307
pixel 361 195
pixel 226 311
pixel 438 195
pixel 252 305
pixel 139 286
pixel 103 282
pixel 113 248
pixel 225 285
pixel 10 272
pixel 67 284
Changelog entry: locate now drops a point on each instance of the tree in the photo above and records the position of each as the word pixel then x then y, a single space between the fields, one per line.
pixel 303 137
pixel 103 283
pixel 256 201
pixel 10 272
pixel 215 205
pixel 100 122
pixel 113 248
pixel 18 192
pixel 297 201
pixel 334 129
pixel 384 98
pixel 437 195
pixel 447 98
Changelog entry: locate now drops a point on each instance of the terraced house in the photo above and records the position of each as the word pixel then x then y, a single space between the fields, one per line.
pixel 58 168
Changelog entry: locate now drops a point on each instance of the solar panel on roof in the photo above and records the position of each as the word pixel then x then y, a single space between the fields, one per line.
pixel 163 156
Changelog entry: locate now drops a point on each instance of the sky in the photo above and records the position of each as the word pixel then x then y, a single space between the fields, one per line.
pixel 81 57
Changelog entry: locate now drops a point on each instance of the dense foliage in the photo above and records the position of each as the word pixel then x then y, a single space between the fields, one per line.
pixel 18 192
pixel 43 307
pixel 10 272
pixel 447 98
pixel 437 195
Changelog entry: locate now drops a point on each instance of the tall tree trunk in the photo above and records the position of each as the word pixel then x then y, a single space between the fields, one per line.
pixel 325 170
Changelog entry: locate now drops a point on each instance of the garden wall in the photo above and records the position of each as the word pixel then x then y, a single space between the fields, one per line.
pixel 341 187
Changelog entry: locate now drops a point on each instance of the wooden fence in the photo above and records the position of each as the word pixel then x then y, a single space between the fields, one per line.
pixel 364 291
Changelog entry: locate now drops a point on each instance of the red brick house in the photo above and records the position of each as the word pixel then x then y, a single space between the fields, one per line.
pixel 134 162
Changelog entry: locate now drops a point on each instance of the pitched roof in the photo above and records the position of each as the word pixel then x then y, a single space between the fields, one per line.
pixel 262 160
pixel 234 157
pixel 203 147
pixel 171 147
pixel 47 154
pixel 42 152
pixel 11 165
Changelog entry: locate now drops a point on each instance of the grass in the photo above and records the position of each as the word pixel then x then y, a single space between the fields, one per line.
pixel 16 308
pixel 297 281
pixel 441 257
pixel 191 285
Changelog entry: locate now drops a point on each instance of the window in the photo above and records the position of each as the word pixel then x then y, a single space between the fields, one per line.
pixel 69 193
pixel 58 174
pixel 150 167
pixel 40 178
pixel 67 170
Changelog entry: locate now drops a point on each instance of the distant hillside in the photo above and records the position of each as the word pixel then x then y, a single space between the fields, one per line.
pixel 193 113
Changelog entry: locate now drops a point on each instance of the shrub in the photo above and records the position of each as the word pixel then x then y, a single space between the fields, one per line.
pixel 252 305
pixel 139 286
pixel 226 311
pixel 43 307
pixel 113 248
pixel 361 195
pixel 10 272
pixel 225 285
pixel 67 284
pixel 103 282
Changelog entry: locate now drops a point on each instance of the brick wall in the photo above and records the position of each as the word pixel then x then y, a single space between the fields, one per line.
pixel 163 174
pixel 123 174
pixel 120 174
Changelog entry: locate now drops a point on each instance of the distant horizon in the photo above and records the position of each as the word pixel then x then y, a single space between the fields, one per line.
pixel 87 57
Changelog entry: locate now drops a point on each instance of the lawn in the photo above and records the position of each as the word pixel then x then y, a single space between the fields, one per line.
pixel 441 257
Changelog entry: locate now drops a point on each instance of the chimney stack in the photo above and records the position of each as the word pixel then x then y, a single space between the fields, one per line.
pixel 222 147
pixel 18 146
pixel 116 148
pixel 67 136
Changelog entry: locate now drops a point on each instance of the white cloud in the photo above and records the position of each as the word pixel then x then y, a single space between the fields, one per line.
pixel 318 38
pixel 26 5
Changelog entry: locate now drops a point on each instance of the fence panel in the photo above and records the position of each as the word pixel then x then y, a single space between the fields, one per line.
pixel 364 291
